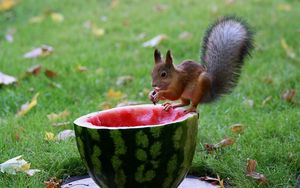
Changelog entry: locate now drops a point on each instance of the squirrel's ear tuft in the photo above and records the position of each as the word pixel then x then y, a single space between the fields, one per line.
pixel 169 58
pixel 157 56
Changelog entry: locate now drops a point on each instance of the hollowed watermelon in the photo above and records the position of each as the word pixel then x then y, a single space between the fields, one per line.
pixel 137 146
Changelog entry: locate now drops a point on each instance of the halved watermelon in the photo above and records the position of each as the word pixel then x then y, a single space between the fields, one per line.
pixel 137 146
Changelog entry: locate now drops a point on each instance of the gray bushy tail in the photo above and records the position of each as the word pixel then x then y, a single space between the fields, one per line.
pixel 225 46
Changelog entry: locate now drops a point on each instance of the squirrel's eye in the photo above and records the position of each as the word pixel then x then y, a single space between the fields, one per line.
pixel 163 74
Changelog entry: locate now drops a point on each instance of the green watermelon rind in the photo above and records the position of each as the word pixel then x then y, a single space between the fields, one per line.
pixel 145 151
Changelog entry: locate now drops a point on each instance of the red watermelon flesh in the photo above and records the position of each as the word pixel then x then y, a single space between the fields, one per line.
pixel 136 116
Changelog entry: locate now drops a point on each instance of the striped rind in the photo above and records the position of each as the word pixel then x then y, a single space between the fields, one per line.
pixel 157 156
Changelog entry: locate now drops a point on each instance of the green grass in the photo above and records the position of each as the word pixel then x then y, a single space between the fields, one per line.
pixel 272 131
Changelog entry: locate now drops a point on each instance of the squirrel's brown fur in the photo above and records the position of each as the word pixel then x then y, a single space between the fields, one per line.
pixel 226 44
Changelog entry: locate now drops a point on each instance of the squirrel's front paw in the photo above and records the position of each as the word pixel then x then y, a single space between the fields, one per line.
pixel 167 106
pixel 154 96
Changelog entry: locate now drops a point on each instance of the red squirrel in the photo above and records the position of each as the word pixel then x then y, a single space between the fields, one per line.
pixel 225 46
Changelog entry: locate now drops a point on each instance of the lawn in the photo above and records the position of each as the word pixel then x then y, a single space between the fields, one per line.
pixel 271 124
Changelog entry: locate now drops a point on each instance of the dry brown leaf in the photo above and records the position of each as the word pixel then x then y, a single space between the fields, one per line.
pixel 25 108
pixel 50 74
pixel 212 147
pixel 251 172
pixel 124 80
pixel 161 7
pixel 266 100
pixel 289 95
pixel 284 7
pixel 7 4
pixel 155 41
pixel 34 70
pixel 58 116
pixel 6 79
pixel 237 128
pixel 268 80
pixel 113 94
pixel 288 50
pixel 39 52
pixel 53 183
pixel 213 181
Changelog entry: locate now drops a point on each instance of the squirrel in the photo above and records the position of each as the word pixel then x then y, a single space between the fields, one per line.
pixel 226 44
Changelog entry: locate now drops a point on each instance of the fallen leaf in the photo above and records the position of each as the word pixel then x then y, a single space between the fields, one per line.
pixel 124 80
pixel 80 68
pixel 114 3
pixel 225 142
pixel 6 79
pixel 50 74
pixel 266 100
pixel 36 19
pixel 53 183
pixel 58 124
pixel 268 80
pixel 288 50
pixel 249 102
pixel 213 181
pixel 60 115
pixel 65 134
pixel 34 70
pixel 17 164
pixel 98 32
pixel 284 7
pixel 39 52
pixel 185 35
pixel 7 4
pixel 161 7
pixel 113 94
pixel 25 108
pixel 237 128
pixel 155 41
pixel 289 95
pixel 49 136
pixel 9 36
pixel 229 2
pixel 251 172
pixel 105 105
pixel 56 17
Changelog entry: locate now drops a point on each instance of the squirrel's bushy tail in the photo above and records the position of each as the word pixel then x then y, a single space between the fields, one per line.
pixel 225 46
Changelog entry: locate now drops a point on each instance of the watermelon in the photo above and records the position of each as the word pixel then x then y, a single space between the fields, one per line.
pixel 139 146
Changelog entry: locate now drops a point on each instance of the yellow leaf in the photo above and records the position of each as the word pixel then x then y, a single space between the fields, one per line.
pixel 105 105
pixel 98 32
pixel 49 136
pixel 114 3
pixel 112 94
pixel 288 50
pixel 28 106
pixel 57 17
pixel 25 167
pixel 7 4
